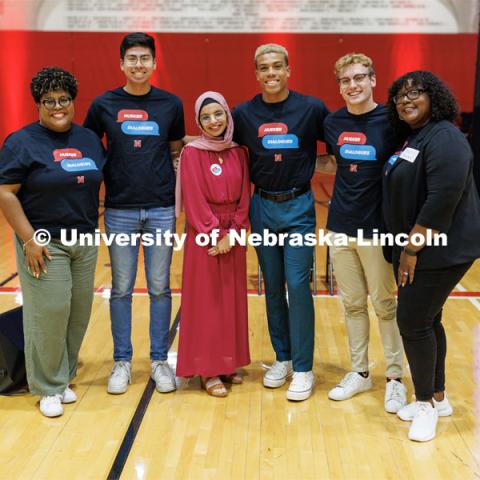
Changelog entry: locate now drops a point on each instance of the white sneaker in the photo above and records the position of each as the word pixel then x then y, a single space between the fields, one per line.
pixel 69 395
pixel 51 405
pixel 351 384
pixel 163 376
pixel 120 377
pixel 301 386
pixel 444 409
pixel 395 396
pixel 277 374
pixel 424 423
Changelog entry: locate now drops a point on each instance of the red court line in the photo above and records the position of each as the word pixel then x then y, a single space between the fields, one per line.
pixel 453 294
pixel 251 291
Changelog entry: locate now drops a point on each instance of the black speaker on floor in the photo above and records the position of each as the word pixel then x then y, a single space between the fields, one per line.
pixel 13 378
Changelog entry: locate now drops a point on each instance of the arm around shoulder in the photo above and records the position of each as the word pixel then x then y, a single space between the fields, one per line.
pixel 93 122
pixel 326 163
pixel 241 218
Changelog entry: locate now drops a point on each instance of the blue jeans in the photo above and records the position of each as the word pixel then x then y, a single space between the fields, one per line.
pixel 124 261
pixel 291 325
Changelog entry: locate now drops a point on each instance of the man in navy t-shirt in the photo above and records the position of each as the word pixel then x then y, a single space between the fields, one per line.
pixel 361 140
pixel 144 128
pixel 281 128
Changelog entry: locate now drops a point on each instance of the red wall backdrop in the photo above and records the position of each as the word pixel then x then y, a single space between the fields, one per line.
pixel 189 64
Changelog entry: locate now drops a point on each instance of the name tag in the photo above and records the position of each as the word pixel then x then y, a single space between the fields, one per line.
pixel 409 154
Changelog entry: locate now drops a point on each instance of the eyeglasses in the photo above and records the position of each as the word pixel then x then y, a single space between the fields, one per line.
pixel 132 60
pixel 51 103
pixel 217 116
pixel 358 78
pixel 410 95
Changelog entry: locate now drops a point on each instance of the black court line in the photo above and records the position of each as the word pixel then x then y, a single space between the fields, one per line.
pixel 8 279
pixel 136 422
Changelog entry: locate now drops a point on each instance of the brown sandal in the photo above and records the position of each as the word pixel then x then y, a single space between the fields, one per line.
pixel 214 386
pixel 234 378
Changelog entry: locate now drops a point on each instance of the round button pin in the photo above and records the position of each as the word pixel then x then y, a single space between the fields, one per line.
pixel 216 169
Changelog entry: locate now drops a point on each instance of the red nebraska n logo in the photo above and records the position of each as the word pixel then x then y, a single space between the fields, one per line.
pixel 137 144
pixel 278 157
pixel 80 179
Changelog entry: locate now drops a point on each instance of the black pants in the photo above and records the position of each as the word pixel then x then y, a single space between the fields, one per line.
pixel 419 317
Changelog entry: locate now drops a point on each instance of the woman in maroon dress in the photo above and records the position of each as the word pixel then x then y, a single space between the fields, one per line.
pixel 216 190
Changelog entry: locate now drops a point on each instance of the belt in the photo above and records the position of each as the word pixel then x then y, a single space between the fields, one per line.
pixel 282 196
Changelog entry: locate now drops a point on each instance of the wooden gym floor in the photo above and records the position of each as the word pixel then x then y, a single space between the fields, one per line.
pixel 254 433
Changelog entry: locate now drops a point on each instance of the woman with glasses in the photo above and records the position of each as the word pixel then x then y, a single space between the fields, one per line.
pixel 428 186
pixel 216 190
pixel 50 175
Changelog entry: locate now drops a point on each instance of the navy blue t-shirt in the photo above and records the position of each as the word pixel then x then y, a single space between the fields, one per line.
pixel 361 145
pixel 281 139
pixel 139 171
pixel 60 174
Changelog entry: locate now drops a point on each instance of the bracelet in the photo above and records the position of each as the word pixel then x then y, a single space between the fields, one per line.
pixel 26 243
pixel 410 253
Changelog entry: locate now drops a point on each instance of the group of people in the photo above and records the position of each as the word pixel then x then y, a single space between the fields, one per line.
pixel 402 167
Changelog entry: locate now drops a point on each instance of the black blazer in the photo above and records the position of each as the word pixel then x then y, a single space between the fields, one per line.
pixel 435 189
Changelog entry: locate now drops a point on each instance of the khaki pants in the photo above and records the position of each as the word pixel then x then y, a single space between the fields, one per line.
pixel 56 311
pixel 360 270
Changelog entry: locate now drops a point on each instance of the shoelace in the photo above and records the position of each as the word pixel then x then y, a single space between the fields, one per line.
pixel 299 376
pixel 349 379
pixel 120 368
pixel 278 367
pixel 303 380
pixel 52 398
pixel 395 391
pixel 164 370
pixel 423 408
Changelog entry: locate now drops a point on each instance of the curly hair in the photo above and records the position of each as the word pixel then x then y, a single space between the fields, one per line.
pixel 50 79
pixel 443 105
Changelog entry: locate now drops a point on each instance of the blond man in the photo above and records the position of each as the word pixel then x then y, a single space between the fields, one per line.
pixel 361 141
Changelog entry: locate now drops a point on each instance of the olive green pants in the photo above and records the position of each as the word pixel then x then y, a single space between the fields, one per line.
pixel 56 311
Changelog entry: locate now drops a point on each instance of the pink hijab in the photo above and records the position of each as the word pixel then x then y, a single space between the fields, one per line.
pixel 206 141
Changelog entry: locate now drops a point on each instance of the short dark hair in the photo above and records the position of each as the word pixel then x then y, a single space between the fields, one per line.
pixel 442 102
pixel 137 39
pixel 50 79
